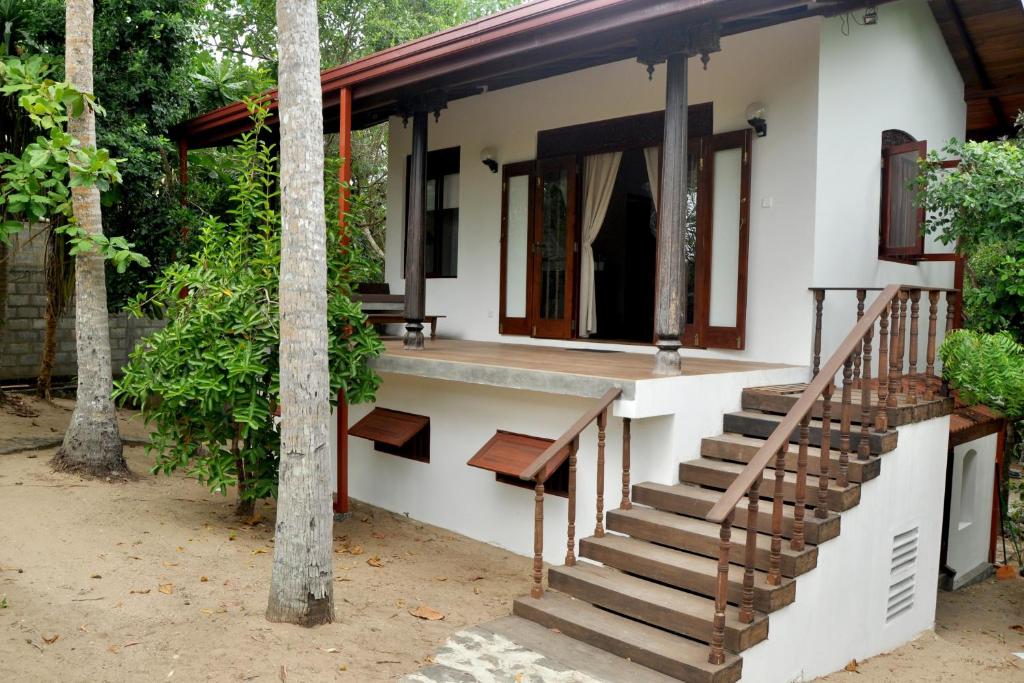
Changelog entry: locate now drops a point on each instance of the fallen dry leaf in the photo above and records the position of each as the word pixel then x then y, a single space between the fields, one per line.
pixel 166 588
pixel 203 579
pixel 427 613
pixel 852 667
pixel 169 564
pixel 260 551
pixel 356 550
pixel 332 650
pixel 440 578
pixel 113 648
pixel 50 640
pixel 377 534
pixel 130 643
pixel 375 561
pixel 142 591
pixel 282 674
pixel 1019 628
pixel 1006 572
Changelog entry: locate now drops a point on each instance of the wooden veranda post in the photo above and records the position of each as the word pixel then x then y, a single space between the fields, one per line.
pixel 341 504
pixel 415 283
pixel 672 221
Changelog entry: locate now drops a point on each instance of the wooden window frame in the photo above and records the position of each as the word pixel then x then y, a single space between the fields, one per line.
pixel 910 254
pixel 506 324
pixel 440 163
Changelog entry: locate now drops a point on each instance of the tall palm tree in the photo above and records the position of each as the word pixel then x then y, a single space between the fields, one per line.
pixel 301 589
pixel 92 444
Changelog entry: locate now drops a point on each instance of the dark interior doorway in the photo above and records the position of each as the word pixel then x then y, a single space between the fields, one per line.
pixel 625 255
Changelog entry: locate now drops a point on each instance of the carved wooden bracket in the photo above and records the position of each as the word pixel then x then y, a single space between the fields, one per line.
pixel 700 39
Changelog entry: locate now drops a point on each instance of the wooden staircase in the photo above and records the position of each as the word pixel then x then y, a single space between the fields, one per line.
pixel 647 591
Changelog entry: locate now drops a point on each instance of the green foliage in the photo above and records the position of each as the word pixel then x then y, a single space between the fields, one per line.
pixel 208 382
pixel 37 184
pixel 986 369
pixel 979 207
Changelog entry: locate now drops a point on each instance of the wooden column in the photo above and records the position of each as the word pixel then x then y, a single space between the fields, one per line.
pixel 415 282
pixel 341 503
pixel 671 296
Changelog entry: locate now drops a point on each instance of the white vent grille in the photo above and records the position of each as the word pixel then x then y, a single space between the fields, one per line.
pixel 902 574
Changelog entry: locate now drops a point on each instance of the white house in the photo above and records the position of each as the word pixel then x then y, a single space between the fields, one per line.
pixel 681 276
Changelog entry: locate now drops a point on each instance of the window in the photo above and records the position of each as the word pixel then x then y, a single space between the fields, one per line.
pixel 901 219
pixel 441 238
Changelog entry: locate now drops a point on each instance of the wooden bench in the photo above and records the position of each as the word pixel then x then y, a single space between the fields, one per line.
pixel 384 308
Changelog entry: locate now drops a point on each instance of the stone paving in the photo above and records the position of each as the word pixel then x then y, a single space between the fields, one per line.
pixel 479 656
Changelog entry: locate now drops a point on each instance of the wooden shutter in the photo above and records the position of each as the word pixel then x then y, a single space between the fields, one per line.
pixel 901 219
pixel 517 199
pixel 725 330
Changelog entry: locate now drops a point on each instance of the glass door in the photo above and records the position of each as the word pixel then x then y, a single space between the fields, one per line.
pixel 554 249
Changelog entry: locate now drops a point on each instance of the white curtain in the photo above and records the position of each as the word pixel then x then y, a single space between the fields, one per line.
pixel 652 155
pixel 599 173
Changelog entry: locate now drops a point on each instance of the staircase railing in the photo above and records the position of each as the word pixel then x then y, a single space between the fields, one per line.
pixel 896 311
pixel 598 412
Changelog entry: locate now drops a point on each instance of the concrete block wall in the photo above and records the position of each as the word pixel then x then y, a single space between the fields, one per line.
pixel 21 339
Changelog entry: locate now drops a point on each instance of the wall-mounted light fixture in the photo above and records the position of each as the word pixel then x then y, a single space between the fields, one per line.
pixel 757 120
pixel 489 158
pixel 870 15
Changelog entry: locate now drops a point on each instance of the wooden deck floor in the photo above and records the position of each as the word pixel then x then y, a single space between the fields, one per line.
pixel 614 365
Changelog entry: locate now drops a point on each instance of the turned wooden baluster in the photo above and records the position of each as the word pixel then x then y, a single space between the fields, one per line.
pixel 602 423
pixel 912 377
pixel 626 503
pixel 864 447
pixel 747 601
pixel 881 415
pixel 825 463
pixel 929 370
pixel 861 295
pixel 895 356
pixel 951 304
pixel 717 655
pixel 775 557
pixel 570 543
pixel 845 420
pixel 800 509
pixel 819 301
pixel 538 540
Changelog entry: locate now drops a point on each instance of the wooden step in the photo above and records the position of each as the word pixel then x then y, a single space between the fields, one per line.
pixel 684 570
pixel 693 501
pixel 741 449
pixel 673 655
pixel 779 399
pixel 651 603
pixel 719 474
pixel 762 425
pixel 701 537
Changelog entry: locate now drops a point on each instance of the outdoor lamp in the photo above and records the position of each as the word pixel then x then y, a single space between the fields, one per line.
pixel 756 119
pixel 487 157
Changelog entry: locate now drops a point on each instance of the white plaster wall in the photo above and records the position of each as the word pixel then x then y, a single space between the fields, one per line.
pixel 970 507
pixel 896 74
pixel 777 66
pixel 840 608
pixel 448 493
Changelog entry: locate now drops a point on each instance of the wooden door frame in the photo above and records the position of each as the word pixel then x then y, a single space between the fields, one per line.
pixel 507 325
pixel 564 327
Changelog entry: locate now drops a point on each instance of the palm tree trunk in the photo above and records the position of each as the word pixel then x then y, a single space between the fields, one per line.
pixel 301 588
pixel 92 443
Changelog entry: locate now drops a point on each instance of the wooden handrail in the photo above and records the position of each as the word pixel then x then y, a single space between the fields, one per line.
pixel 571 434
pixel 780 437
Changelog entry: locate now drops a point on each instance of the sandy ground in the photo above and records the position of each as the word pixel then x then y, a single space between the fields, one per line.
pixel 156 580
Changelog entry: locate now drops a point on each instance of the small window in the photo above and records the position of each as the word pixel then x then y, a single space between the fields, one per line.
pixel 403 434
pixel 441 238
pixel 901 218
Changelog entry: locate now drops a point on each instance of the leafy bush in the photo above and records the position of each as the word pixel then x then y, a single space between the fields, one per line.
pixel 986 369
pixel 208 382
